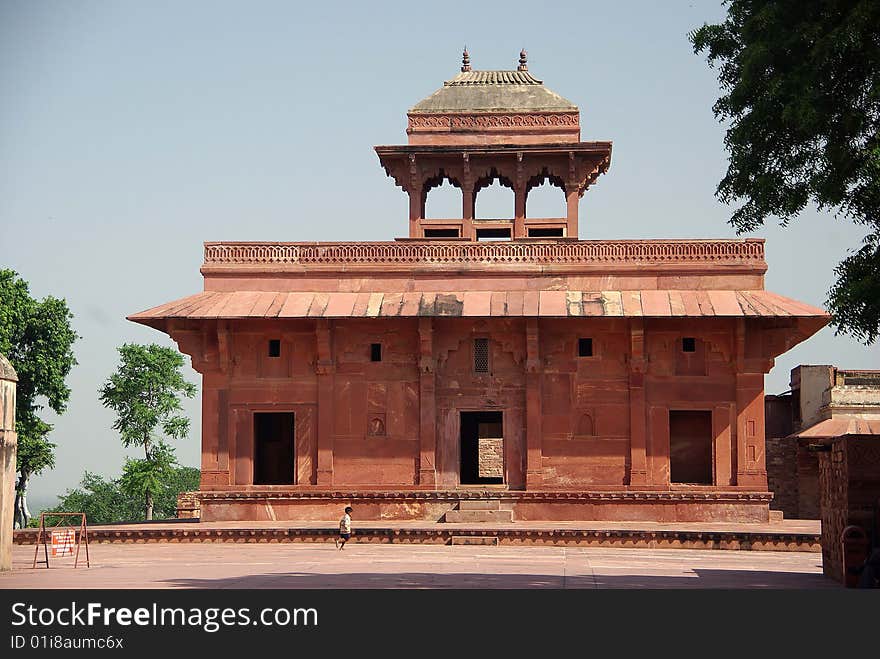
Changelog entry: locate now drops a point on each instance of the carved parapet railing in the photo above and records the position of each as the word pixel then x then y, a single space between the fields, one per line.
pixel 635 253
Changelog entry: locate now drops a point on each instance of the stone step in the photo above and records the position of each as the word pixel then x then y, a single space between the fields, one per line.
pixel 473 540
pixel 479 516
pixel 479 504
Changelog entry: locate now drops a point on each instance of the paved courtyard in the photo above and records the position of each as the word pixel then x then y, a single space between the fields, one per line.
pixel 306 565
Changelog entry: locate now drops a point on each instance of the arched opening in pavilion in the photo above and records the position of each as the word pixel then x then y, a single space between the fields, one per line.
pixel 494 201
pixel 443 201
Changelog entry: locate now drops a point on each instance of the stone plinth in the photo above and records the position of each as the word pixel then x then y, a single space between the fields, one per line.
pixel 188 505
pixel 8 444
pixel 706 505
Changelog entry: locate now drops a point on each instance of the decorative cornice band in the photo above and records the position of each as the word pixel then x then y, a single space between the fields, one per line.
pixel 493 121
pixel 509 496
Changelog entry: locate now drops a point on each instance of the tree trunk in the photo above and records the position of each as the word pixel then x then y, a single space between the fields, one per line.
pixel 149 509
pixel 21 515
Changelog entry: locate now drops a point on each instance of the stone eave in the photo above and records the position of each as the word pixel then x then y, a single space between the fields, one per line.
pixel 445 113
pixel 601 148
pixel 260 304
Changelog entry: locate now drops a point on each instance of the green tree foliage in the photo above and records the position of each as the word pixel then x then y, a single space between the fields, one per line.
pixel 145 478
pixel 37 338
pixel 101 499
pixel 801 94
pixel 145 393
pixel 105 501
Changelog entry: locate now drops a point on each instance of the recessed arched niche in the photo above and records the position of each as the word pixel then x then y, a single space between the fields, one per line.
pixel 585 426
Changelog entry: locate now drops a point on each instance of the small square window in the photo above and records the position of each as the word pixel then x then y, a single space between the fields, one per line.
pixel 481 355
pixel 274 347
pixel 585 347
pixel 375 352
pixel 688 344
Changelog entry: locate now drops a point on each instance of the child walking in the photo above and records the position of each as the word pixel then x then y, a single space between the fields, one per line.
pixel 344 529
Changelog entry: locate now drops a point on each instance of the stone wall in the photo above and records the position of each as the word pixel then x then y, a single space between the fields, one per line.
pixel 8 444
pixel 849 484
pixel 807 468
pixel 379 405
pixel 491 458
pixel 810 383
pixel 792 469
pixel 782 477
pixel 793 477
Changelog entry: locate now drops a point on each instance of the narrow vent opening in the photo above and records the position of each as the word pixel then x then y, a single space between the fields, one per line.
pixel 481 355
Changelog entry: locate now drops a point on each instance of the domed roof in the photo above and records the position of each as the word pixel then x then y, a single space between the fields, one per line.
pixel 493 91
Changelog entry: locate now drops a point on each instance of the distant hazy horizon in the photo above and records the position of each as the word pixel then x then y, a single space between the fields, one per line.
pixel 131 132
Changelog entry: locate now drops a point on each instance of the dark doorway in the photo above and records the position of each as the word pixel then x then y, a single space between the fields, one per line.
pixel 482 448
pixel 273 448
pixel 690 447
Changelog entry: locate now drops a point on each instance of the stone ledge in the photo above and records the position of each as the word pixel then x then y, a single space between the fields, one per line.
pixel 653 539
pixel 507 496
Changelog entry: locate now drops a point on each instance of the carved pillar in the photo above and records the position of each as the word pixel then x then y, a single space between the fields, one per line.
pixel 571 201
pixel 216 382
pixel 638 469
pixel 519 200
pixel 211 430
pixel 534 472
pixel 750 464
pixel 572 196
pixel 751 470
pixel 416 199
pixel 210 349
pixel 427 405
pixel 324 368
pixel 467 201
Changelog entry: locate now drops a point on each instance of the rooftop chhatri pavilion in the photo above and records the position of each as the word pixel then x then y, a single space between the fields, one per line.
pixel 487 126
pixel 548 377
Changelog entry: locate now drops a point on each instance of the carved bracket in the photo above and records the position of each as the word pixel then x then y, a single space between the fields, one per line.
pixel 426 345
pixel 202 345
pixel 533 357
pixel 324 337
pixel 638 364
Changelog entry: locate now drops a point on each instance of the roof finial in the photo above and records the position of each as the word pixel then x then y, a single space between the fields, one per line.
pixel 465 60
pixel 522 61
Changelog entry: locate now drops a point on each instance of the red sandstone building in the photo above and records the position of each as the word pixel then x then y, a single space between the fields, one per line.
pixel 560 378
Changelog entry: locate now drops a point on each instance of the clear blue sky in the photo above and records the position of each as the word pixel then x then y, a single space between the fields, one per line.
pixel 131 132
